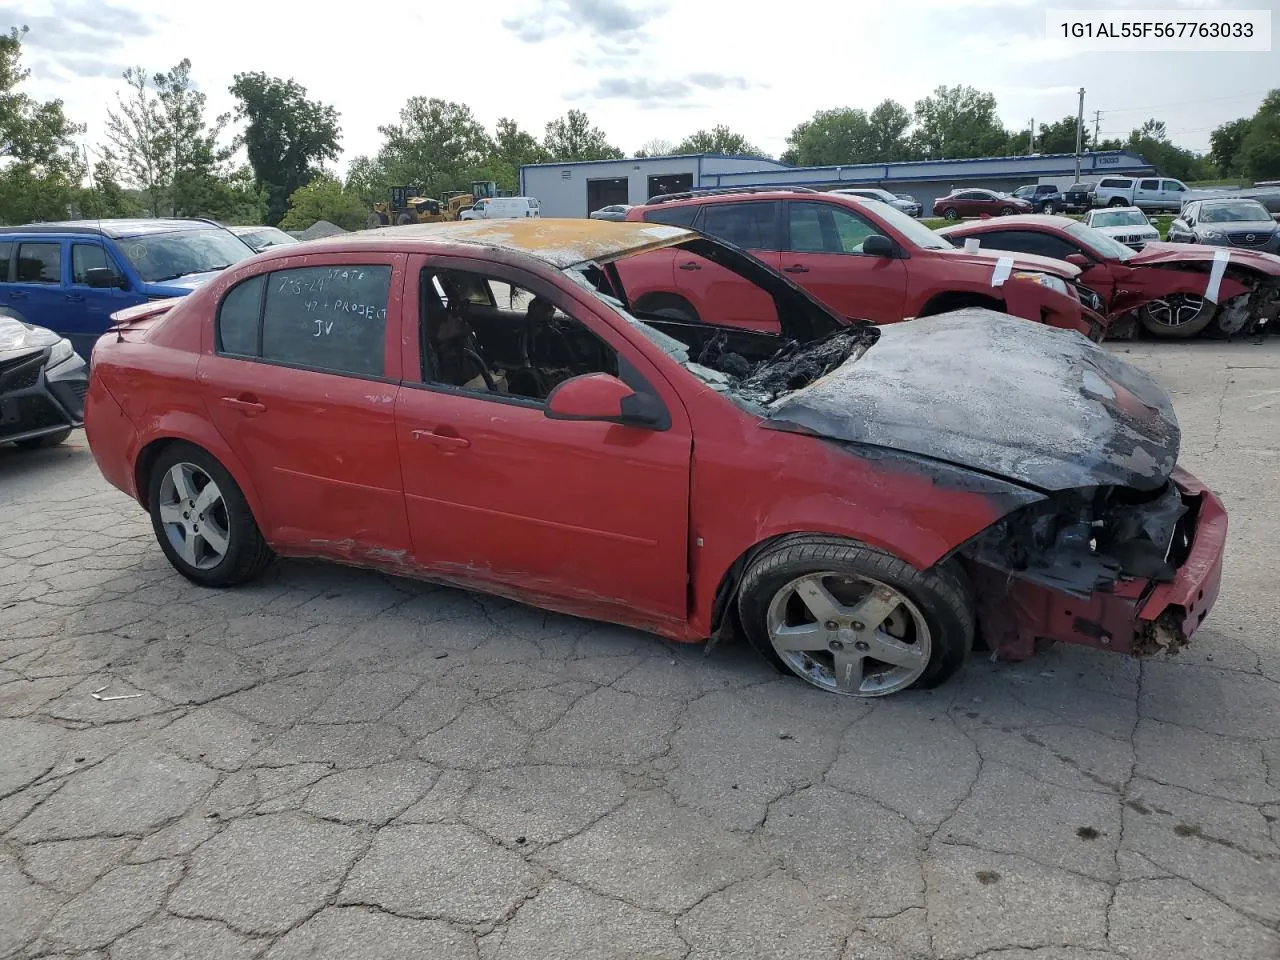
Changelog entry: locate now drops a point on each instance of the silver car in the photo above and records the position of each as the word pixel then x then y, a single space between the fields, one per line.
pixel 1129 225
pixel 908 206
pixel 614 211
pixel 1227 222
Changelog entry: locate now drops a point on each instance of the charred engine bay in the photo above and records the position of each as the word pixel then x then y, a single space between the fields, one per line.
pixel 1084 540
pixel 794 366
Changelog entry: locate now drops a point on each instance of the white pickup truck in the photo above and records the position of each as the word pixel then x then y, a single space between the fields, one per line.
pixel 1145 193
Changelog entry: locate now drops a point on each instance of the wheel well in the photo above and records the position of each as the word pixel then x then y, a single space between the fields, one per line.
pixel 649 302
pixel 955 300
pixel 142 469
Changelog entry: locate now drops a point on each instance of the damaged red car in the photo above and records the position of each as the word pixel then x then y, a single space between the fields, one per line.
pixel 478 404
pixel 1174 290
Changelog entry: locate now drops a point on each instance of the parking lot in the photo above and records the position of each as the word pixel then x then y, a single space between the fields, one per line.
pixel 334 763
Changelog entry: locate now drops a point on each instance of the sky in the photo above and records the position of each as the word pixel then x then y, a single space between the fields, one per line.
pixel 641 69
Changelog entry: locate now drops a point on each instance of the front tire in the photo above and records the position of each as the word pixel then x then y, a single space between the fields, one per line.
pixel 48 440
pixel 950 214
pixel 1006 211
pixel 853 620
pixel 201 519
pixel 1177 317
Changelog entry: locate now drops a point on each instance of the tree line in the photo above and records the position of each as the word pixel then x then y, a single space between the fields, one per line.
pixel 163 155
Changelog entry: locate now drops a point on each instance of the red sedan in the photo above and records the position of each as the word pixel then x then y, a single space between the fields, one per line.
pixel 475 404
pixel 975 203
pixel 1177 289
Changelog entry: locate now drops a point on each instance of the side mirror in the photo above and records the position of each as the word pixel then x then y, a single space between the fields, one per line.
pixel 878 245
pixel 604 398
pixel 104 278
pixel 1079 259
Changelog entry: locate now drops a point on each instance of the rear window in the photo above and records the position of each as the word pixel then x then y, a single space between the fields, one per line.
pixel 672 216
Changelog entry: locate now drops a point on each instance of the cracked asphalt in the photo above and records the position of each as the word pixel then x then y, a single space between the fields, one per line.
pixel 337 764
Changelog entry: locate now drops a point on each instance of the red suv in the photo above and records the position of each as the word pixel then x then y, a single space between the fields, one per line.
pixel 865 260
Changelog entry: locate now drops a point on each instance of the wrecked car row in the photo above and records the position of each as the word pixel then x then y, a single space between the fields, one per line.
pixel 502 412
pixel 866 260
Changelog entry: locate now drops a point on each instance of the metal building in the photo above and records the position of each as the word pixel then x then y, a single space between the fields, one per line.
pixel 575 189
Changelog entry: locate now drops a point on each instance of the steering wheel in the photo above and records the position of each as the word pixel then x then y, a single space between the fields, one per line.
pixel 484 369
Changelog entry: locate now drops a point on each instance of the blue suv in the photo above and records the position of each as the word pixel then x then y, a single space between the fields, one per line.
pixel 70 277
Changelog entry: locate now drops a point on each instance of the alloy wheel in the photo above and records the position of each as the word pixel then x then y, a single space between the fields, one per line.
pixel 849 634
pixel 1175 311
pixel 194 515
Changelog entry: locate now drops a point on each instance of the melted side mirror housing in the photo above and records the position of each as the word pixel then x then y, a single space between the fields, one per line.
pixel 603 398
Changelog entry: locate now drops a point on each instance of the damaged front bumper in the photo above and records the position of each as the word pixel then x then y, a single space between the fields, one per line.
pixel 1021 610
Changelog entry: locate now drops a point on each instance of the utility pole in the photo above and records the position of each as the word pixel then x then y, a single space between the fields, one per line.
pixel 1079 132
pixel 1031 149
pixel 1097 119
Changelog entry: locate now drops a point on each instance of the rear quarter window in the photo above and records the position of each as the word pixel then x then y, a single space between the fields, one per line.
pixel 673 216
pixel 6 258
pixel 238 317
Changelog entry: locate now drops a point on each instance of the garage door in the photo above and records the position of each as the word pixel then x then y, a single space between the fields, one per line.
pixel 602 193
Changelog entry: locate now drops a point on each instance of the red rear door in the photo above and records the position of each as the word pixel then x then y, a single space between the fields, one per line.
pixel 720 295
pixel 301 383
pixel 824 255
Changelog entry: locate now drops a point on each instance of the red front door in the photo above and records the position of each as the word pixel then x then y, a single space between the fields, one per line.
pixel 590 518
pixel 308 406
pixel 824 256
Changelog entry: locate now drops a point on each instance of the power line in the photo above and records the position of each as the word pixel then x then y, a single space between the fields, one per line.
pixel 1182 103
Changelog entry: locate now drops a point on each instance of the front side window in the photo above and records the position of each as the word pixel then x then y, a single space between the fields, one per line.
pixel 751 226
pixel 826 228
pixel 39 263
pixel 1174 186
pixel 331 318
pixel 168 256
pixel 487 336
pixel 86 257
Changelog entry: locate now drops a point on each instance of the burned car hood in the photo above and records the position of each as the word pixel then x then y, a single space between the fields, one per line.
pixel 17 338
pixel 1156 254
pixel 997 394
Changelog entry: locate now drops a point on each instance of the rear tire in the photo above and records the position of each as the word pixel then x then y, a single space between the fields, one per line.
pixel 1116 202
pixel 920 622
pixel 188 488
pixel 1048 209
pixel 48 440
pixel 1178 317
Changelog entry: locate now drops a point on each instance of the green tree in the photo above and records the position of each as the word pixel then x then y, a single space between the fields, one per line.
pixel 572 137
pixel 325 198
pixel 847 135
pixel 437 146
pixel 1151 142
pixel 1060 137
pixel 165 147
pixel 958 122
pixel 41 169
pixel 1260 148
pixel 512 149
pixel 104 196
pixel 719 139
pixel 1225 143
pixel 656 147
pixel 287 136
pixel 367 180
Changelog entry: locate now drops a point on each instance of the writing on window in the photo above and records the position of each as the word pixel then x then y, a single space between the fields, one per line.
pixel 329 318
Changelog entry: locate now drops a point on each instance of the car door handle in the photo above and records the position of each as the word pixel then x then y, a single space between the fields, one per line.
pixel 445 440
pixel 244 405
pixel 796 268
pixel 75 297
pixel 690 266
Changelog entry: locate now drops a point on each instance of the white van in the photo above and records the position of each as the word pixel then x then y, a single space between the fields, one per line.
pixel 502 208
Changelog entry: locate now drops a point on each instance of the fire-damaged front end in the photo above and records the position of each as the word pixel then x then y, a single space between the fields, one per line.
pixel 1100 538
pixel 1110 567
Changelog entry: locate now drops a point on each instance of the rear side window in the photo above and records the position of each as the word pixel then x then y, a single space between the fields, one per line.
pixel 752 226
pixel 39 263
pixel 238 318
pixel 328 318
pixel 6 258
pixel 674 216
pixel 1149 185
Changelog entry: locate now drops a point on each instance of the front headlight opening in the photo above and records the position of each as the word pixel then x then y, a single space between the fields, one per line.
pixel 1056 284
pixel 61 353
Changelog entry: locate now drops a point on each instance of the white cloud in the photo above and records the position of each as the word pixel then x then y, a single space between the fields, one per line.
pixel 640 69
